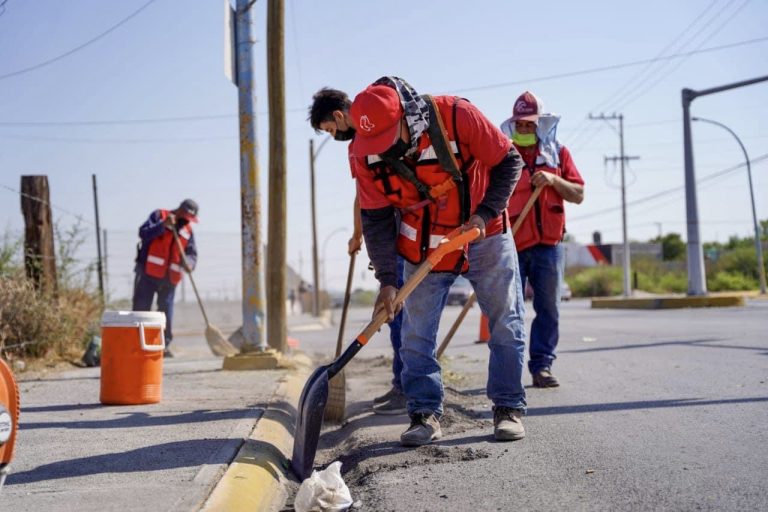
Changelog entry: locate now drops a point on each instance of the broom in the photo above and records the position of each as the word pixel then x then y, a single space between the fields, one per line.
pixel 218 344
pixel 337 389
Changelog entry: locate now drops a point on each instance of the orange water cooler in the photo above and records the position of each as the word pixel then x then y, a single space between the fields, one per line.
pixel 132 344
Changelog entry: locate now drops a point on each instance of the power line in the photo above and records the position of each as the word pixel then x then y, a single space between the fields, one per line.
pixel 35 198
pixel 612 67
pixel 669 191
pixel 77 48
pixel 617 101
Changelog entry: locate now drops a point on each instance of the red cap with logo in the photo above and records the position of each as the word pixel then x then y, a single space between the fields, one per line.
pixel 527 108
pixel 375 114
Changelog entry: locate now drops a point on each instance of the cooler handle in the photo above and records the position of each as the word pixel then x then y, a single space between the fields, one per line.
pixel 151 348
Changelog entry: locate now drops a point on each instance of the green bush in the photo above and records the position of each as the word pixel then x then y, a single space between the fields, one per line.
pixel 730 281
pixel 601 281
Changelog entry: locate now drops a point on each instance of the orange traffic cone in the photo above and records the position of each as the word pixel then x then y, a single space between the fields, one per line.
pixel 485 333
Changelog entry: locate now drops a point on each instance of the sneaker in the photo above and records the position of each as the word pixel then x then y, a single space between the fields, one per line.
pixel 424 429
pixel 395 404
pixel 507 424
pixel 386 397
pixel 167 353
pixel 544 379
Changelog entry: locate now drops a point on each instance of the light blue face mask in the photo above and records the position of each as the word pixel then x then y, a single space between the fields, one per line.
pixel 524 139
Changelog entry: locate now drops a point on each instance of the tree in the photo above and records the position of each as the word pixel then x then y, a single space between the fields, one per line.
pixel 672 247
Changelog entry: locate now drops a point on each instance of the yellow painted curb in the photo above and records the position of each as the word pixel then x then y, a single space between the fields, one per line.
pixel 256 479
pixel 707 301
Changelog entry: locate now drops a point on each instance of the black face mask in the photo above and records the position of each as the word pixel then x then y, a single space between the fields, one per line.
pixel 180 223
pixel 342 135
pixel 397 151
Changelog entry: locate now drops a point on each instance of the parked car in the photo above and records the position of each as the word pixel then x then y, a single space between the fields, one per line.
pixel 565 292
pixel 460 291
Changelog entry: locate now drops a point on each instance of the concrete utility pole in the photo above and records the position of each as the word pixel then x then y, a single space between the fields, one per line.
pixel 39 254
pixel 758 243
pixel 250 194
pixel 276 253
pixel 697 282
pixel 621 158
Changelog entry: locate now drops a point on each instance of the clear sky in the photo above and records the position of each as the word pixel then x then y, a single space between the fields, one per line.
pixel 148 110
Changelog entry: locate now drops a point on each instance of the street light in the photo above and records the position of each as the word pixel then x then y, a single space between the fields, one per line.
pixel 758 245
pixel 316 292
pixel 325 243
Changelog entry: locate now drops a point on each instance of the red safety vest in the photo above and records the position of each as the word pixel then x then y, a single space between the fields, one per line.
pixel 163 256
pixel 427 216
pixel 545 222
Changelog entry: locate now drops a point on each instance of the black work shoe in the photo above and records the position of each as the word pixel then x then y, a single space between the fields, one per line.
pixel 386 397
pixel 395 405
pixel 424 429
pixel 167 353
pixel 508 424
pixel 544 379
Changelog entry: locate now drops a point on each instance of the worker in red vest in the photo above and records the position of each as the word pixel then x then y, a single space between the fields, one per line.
pixel 549 166
pixel 159 264
pixel 435 164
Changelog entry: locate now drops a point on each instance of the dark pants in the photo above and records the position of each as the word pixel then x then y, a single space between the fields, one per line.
pixel 542 266
pixel 144 290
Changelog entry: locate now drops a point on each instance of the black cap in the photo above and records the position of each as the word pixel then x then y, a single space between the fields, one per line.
pixel 189 206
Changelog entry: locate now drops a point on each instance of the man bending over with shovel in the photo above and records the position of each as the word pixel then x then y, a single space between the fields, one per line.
pixel 437 164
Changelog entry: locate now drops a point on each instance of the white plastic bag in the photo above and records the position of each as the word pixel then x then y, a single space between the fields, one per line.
pixel 324 491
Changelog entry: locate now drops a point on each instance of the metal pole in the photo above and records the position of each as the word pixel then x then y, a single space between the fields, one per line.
pixel 626 262
pixel 250 197
pixel 316 289
pixel 98 237
pixel 758 244
pixel 106 266
pixel 276 252
pixel 697 283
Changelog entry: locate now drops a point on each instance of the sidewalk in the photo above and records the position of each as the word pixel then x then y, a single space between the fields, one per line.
pixel 73 453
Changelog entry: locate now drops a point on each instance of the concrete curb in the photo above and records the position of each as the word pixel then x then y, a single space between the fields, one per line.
pixel 670 302
pixel 257 477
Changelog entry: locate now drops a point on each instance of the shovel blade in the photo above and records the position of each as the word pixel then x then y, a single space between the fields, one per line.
pixel 314 398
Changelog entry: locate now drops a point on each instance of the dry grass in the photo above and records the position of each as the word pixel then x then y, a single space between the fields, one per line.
pixel 43 327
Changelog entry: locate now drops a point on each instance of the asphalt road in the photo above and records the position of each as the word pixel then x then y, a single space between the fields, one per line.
pixel 658 410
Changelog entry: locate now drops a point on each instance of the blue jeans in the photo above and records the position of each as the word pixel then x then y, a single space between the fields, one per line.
pixel 395 335
pixel 144 290
pixel 494 274
pixel 542 265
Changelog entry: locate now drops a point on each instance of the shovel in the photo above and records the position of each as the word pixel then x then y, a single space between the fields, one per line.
pixel 315 394
pixel 471 301
pixel 218 344
pixel 337 398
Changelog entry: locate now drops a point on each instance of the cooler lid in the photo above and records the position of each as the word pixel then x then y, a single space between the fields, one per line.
pixel 131 318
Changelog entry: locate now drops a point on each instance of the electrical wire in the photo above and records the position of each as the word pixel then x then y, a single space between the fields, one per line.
pixel 77 48
pixel 79 217
pixel 669 191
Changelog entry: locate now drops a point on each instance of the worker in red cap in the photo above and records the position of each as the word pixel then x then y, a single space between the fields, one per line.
pixel 549 166
pixel 435 164
pixel 159 264
pixel 329 112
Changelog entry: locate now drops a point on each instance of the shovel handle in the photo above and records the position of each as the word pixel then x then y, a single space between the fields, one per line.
pixel 452 241
pixel 186 269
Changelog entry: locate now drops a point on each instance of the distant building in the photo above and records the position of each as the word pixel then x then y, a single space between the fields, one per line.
pixel 607 254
